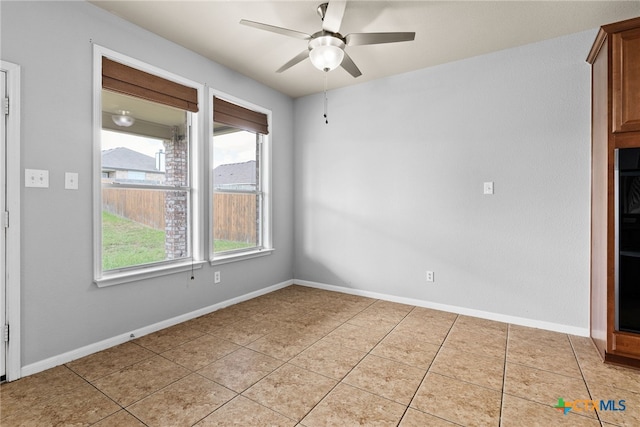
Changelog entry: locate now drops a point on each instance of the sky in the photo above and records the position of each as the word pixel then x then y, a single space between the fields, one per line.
pixel 148 146
pixel 236 147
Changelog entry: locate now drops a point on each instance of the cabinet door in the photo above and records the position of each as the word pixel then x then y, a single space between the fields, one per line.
pixel 626 80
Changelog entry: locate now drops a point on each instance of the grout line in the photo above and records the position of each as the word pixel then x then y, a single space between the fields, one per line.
pixel 531 366
pixel 284 362
pixel 575 355
pixel 134 416
pixel 367 353
pixel 427 371
pixel 305 349
pixel 257 403
pixel 504 373
pixel 224 404
pixel 122 408
pixel 322 335
pixel 338 382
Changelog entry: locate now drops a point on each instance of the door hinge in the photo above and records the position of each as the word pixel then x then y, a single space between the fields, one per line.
pixel 5 333
pixel 5 219
pixel 5 106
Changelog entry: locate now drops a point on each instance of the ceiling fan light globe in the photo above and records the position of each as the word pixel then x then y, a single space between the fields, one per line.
pixel 326 57
pixel 123 120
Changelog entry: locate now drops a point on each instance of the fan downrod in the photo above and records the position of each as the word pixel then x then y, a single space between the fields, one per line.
pixel 322 10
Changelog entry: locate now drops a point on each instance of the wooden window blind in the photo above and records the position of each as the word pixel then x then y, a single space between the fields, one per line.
pixel 234 115
pixel 126 80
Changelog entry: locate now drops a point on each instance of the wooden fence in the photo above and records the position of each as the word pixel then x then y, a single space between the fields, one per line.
pixel 142 206
pixel 234 215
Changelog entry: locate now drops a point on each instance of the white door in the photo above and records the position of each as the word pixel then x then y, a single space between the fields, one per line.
pixel 3 233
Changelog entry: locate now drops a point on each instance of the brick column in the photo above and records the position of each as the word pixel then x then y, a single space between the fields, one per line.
pixel 176 207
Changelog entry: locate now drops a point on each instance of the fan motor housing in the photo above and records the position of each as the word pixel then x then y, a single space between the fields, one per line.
pixel 325 38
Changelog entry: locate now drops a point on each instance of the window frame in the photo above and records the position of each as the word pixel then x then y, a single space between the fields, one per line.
pixel 197 125
pixel 265 186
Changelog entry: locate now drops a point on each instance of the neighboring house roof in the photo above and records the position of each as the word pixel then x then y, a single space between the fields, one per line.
pixel 235 173
pixel 125 159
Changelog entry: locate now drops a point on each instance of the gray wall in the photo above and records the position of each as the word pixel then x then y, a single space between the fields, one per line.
pixel 62 309
pixel 393 185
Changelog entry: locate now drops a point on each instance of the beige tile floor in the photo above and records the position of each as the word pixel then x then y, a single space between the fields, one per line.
pixel 306 357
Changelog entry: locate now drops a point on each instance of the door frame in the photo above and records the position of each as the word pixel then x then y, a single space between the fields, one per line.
pixel 12 301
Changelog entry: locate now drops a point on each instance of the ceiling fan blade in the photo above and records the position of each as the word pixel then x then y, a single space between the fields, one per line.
pixel 277 30
pixel 350 66
pixel 358 39
pixel 333 16
pixel 298 58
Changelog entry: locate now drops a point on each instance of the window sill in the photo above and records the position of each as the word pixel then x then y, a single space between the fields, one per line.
pixel 224 259
pixel 146 273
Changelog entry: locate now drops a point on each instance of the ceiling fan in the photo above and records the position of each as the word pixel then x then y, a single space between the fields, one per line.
pixel 326 47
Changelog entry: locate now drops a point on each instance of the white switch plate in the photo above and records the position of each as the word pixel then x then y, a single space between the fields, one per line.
pixel 36 178
pixel 488 187
pixel 71 180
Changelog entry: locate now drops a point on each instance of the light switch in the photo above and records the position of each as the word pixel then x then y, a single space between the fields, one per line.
pixel 488 187
pixel 71 180
pixel 36 178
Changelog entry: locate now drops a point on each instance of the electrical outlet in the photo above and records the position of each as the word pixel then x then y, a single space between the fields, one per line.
pixel 216 277
pixel 430 276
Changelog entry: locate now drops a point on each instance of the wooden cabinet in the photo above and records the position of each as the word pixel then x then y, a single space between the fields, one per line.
pixel 626 80
pixel 615 60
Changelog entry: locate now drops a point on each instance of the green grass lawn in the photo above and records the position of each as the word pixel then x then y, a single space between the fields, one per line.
pixel 229 245
pixel 126 243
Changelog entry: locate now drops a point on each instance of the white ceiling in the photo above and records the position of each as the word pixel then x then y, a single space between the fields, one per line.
pixel 445 31
pixel 141 109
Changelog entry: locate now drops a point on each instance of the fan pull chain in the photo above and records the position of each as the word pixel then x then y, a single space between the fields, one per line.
pixel 326 100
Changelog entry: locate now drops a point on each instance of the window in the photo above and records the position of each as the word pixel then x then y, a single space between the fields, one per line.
pixel 240 176
pixel 145 205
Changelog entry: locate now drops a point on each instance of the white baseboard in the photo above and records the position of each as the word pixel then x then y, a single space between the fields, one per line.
pixel 522 321
pixel 69 356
